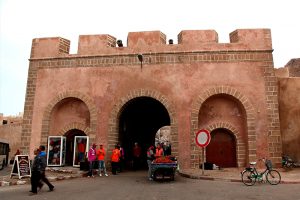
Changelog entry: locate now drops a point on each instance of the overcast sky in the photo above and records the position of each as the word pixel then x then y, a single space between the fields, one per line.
pixel 23 20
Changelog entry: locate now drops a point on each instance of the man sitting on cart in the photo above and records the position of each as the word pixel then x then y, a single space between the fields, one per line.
pixel 163 167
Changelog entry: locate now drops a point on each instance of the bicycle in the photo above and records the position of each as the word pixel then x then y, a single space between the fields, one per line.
pixel 287 162
pixel 250 175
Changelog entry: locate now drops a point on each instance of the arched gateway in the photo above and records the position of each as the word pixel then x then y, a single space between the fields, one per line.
pixel 137 118
pixel 69 121
pixel 217 109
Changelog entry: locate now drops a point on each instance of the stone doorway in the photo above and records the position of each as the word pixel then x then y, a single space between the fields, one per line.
pixel 139 121
pixel 70 136
pixel 222 148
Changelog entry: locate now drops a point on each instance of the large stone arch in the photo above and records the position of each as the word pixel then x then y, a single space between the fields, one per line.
pixel 75 125
pixel 240 144
pixel 113 131
pixel 250 114
pixel 67 94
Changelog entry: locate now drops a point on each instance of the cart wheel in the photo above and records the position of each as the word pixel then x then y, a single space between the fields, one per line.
pixel 172 178
pixel 158 175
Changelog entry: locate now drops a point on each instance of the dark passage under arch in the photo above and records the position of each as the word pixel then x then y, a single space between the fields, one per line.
pixel 70 136
pixel 139 121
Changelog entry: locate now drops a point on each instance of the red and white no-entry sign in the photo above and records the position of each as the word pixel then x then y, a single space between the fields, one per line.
pixel 202 138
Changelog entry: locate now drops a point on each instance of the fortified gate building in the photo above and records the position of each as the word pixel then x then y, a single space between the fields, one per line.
pixel 109 94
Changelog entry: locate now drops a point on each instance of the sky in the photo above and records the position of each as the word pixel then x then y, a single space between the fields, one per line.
pixel 23 20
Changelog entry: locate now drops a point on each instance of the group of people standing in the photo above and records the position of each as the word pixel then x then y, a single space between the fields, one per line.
pixel 94 156
pixel 117 158
pixel 38 175
pixel 98 156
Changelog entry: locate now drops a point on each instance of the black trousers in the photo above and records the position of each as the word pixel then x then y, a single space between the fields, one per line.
pixel 35 179
pixel 114 167
pixel 136 163
pixel 45 180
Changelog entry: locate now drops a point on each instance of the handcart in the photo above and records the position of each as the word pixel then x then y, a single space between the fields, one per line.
pixel 163 171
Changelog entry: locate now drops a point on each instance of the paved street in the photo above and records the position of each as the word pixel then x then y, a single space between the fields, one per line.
pixel 134 185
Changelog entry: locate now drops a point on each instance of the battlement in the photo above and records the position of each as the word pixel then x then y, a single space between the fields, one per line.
pixel 153 42
pixel 49 47
pixel 259 38
pixel 95 44
pixel 147 38
pixel 198 36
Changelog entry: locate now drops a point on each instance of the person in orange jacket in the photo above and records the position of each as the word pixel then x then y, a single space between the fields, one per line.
pixel 115 159
pixel 159 151
pixel 101 163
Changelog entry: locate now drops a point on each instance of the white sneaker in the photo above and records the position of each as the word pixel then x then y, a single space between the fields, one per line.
pixel 100 174
pixel 106 174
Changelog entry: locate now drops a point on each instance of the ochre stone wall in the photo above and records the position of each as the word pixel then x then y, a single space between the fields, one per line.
pixel 289 101
pixel 293 67
pixel 12 133
pixel 67 111
pixel 181 77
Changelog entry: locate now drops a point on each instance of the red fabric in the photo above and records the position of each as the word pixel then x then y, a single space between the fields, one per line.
pixel 158 152
pixel 115 157
pixel 101 154
pixel 81 147
pixel 137 151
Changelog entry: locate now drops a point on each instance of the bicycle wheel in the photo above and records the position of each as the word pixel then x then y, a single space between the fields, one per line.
pixel 248 178
pixel 273 177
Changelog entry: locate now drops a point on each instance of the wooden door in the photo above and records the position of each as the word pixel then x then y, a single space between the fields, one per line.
pixel 222 149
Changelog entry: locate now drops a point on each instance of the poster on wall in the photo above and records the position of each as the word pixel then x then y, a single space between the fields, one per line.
pixel 56 151
pixel 21 167
pixel 80 149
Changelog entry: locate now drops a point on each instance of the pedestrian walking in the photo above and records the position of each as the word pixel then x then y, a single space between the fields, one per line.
pixel 35 172
pixel 101 164
pixel 115 158
pixel 92 156
pixel 150 158
pixel 43 158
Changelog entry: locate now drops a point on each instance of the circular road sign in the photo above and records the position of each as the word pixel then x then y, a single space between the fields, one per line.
pixel 202 138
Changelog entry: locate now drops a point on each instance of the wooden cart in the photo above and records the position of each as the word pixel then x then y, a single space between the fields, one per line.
pixel 163 171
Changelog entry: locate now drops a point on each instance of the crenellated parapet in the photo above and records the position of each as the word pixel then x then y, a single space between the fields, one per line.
pixel 95 44
pixel 198 37
pixel 153 42
pixel 253 38
pixel 147 38
pixel 49 47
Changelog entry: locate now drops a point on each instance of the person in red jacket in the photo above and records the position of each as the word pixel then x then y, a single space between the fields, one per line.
pixel 115 158
pixel 137 151
pixel 101 156
pixel 81 150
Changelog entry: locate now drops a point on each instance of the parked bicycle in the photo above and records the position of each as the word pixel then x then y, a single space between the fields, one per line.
pixel 250 175
pixel 287 162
